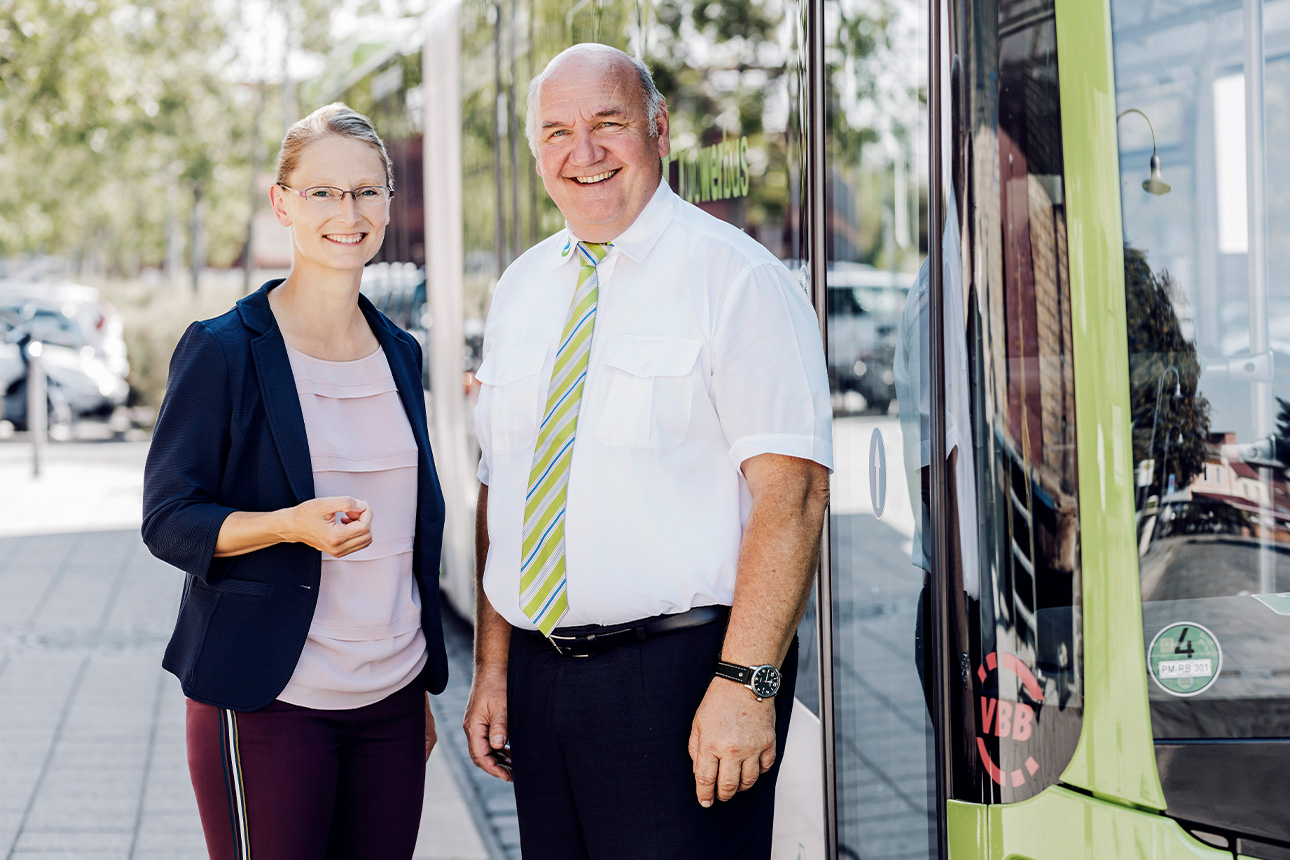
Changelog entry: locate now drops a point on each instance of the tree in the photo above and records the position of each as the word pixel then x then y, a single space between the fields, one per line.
pixel 1170 417
pixel 1281 436
pixel 118 119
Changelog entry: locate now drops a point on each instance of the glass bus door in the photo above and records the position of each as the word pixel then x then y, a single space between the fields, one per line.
pixel 873 240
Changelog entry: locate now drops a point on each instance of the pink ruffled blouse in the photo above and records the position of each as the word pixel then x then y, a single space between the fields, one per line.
pixel 365 641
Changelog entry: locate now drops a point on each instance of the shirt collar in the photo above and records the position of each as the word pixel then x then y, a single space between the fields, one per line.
pixel 637 240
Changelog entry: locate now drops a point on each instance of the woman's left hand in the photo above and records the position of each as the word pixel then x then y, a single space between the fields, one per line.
pixel 431 734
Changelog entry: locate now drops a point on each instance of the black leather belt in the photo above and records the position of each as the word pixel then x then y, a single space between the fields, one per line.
pixel 594 639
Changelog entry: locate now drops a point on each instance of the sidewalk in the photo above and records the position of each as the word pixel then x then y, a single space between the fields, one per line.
pixel 92 761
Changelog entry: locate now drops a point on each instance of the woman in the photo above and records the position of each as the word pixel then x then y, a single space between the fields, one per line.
pixel 290 478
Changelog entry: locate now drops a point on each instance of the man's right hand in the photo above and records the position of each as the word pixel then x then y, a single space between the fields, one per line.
pixel 485 723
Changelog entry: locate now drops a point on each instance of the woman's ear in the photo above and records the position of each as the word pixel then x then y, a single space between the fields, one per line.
pixel 278 200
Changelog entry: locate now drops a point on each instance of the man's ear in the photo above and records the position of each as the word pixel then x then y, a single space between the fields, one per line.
pixel 662 124
pixel 277 199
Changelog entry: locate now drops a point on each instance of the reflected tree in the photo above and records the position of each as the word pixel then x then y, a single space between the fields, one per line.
pixel 1170 417
pixel 727 71
pixel 1281 437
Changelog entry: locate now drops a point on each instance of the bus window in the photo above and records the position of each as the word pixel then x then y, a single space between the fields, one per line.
pixel 1202 97
pixel 1014 656
pixel 876 67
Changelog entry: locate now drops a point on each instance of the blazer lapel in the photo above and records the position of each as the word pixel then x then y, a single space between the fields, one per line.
pixel 278 392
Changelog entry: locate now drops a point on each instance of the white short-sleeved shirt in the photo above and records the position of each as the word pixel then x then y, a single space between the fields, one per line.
pixel 705 352
pixel 913 388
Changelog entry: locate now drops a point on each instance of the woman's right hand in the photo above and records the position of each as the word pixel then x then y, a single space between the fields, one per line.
pixel 337 525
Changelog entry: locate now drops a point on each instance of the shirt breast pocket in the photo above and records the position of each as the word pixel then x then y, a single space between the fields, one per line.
pixel 649 388
pixel 510 378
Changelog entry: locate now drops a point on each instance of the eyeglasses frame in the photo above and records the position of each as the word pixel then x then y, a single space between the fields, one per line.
pixel 389 192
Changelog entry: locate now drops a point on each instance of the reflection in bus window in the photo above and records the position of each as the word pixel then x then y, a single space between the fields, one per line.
pixel 876 65
pixel 1016 691
pixel 1208 310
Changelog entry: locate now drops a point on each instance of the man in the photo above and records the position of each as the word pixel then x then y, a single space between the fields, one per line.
pixel 655 436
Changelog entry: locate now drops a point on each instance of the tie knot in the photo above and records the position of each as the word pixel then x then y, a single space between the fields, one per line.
pixel 592 253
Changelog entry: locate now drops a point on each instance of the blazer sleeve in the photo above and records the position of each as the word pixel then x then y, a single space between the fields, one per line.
pixel 185 466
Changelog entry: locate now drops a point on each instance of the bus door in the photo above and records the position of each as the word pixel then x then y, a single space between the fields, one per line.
pixel 1005 490
pixel 868 241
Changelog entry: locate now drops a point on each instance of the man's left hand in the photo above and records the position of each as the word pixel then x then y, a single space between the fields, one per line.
pixel 732 741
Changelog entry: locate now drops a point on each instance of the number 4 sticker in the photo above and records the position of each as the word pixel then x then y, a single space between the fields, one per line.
pixel 1185 659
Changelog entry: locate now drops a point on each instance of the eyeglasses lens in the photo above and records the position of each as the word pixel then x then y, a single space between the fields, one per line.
pixel 366 195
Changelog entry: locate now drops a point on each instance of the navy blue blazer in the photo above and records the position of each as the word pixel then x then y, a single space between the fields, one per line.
pixel 231 437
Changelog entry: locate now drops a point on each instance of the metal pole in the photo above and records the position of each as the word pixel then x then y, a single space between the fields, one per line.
pixel 817 262
pixel 248 264
pixel 939 486
pixel 36 406
pixel 513 132
pixel 499 129
pixel 1151 444
pixel 1256 213
pixel 289 109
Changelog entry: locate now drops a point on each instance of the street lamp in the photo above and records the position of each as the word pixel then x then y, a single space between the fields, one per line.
pixel 1155 415
pixel 1155 183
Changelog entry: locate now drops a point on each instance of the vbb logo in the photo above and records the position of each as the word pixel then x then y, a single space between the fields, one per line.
pixel 1012 720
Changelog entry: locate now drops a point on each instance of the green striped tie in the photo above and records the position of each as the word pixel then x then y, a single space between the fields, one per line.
pixel 542 584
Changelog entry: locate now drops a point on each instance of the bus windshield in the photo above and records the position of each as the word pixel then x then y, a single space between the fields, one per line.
pixel 1209 354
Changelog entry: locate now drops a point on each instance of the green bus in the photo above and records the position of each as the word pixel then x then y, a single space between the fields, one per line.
pixel 1108 164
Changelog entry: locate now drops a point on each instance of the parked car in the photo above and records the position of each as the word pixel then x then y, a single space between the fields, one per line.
pixel 864 310
pixel 80 381
pixel 72 315
pixel 398 290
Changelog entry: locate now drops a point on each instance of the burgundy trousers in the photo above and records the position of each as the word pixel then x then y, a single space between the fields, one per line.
pixel 293 783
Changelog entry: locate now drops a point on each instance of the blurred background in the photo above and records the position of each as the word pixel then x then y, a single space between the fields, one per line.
pixel 137 144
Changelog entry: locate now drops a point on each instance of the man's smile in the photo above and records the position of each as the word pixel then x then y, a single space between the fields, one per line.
pixel 599 177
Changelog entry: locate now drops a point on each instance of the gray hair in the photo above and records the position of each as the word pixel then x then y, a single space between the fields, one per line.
pixel 336 119
pixel 652 97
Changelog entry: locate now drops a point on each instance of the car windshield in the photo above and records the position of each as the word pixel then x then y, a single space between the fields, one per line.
pixel 881 300
pixel 854 301
pixel 50 325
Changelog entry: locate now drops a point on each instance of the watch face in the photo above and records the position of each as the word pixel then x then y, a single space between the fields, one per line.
pixel 765 681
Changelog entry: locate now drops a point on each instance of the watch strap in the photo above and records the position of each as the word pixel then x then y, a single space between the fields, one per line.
pixel 734 672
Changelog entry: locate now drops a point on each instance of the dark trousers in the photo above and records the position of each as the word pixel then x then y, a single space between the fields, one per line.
pixel 292 783
pixel 599 751
pixel 922 624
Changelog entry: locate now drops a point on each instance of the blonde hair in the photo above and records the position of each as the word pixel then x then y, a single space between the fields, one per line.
pixel 336 119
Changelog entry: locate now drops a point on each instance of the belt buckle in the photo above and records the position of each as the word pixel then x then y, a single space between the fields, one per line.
pixel 565 650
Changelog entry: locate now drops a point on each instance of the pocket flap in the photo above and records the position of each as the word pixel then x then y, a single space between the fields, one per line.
pixel 504 366
pixel 253 587
pixel 652 356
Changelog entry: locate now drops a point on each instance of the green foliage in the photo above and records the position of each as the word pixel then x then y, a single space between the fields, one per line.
pixel 1169 414
pixel 1281 438
pixel 155 319
pixel 116 117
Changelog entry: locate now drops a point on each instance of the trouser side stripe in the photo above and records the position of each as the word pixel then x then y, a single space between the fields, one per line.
pixel 234 785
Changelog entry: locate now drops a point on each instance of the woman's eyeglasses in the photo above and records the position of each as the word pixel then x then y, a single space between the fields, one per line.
pixel 330 195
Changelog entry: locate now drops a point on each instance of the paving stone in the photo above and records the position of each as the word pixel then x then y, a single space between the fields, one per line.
pixel 79 840
pixel 93 756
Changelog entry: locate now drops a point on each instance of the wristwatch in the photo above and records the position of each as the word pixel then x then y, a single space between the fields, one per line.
pixel 762 680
